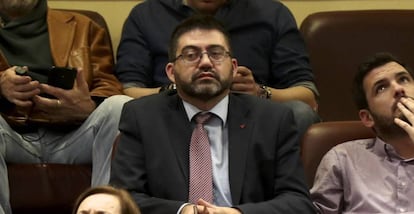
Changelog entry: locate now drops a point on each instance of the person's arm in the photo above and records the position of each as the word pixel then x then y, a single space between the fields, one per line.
pixel 244 82
pixel 134 67
pixel 104 82
pixel 137 92
pixel 290 67
pixel 301 93
pixel 327 191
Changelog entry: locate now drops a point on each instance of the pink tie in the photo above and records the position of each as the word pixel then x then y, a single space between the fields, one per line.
pixel 201 174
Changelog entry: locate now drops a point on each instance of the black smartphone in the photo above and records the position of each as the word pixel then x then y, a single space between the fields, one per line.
pixel 62 77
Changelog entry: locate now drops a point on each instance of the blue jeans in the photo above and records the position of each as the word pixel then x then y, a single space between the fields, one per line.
pixel 90 143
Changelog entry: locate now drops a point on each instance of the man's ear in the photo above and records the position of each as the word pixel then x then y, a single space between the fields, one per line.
pixel 366 118
pixel 169 70
pixel 234 65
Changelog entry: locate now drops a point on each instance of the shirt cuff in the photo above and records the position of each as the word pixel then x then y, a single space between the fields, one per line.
pixel 181 208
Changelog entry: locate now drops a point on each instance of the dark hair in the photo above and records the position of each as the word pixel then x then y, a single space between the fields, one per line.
pixel 128 205
pixel 197 21
pixel 375 61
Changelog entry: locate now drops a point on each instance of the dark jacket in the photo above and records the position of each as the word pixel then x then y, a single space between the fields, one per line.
pixel 265 171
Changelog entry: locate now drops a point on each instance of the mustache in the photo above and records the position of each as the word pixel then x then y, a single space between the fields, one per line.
pixel 205 72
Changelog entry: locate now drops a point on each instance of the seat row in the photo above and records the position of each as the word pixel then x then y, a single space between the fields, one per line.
pixel 337 41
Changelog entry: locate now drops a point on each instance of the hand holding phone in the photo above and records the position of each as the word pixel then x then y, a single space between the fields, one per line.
pixel 62 77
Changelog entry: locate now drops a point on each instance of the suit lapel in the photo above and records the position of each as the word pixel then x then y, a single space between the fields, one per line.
pixel 179 132
pixel 239 128
pixel 61 26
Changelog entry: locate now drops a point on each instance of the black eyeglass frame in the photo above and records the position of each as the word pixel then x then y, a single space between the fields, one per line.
pixel 201 53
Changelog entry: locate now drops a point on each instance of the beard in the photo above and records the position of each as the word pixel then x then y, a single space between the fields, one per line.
pixel 204 89
pixel 386 128
pixel 16 8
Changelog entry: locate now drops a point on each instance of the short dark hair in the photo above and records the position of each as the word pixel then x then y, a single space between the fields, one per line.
pixel 197 21
pixel 375 61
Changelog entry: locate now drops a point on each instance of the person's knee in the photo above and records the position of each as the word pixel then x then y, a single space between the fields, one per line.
pixel 110 109
pixel 304 115
pixel 116 100
pixel 114 103
pixel 303 112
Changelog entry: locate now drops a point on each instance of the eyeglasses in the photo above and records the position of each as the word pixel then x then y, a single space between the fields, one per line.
pixel 193 55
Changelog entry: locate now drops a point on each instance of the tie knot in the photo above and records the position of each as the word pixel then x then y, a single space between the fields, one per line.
pixel 202 118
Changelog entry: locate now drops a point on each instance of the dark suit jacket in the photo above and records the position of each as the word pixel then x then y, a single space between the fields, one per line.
pixel 266 175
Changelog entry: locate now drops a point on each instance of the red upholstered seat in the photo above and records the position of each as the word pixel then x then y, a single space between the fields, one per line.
pixel 321 137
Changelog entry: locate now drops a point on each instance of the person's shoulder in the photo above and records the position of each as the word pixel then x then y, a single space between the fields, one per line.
pixel 267 11
pixel 268 5
pixel 354 148
pixel 149 5
pixel 258 104
pixel 67 15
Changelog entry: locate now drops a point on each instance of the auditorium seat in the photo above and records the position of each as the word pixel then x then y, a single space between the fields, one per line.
pixel 338 41
pixel 321 137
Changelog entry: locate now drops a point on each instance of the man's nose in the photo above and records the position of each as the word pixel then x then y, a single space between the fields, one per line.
pixel 205 58
pixel 399 91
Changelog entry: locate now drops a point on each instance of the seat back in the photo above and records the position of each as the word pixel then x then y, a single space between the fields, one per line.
pixel 46 188
pixel 338 41
pixel 321 137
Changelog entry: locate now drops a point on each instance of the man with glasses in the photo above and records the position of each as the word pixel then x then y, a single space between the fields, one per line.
pixel 266 41
pixel 203 149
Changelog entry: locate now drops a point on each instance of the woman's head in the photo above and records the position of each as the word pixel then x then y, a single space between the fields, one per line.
pixel 105 199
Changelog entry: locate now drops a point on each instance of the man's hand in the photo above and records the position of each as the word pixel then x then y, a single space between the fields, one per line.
pixel 203 207
pixel 18 89
pixel 244 82
pixel 406 106
pixel 74 104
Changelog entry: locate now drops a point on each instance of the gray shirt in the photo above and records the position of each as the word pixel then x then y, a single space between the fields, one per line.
pixel 364 176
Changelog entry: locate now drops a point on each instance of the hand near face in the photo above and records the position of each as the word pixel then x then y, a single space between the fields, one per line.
pixel 18 89
pixel 406 106
pixel 244 82
pixel 74 104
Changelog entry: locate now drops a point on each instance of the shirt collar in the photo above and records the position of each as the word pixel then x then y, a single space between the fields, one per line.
pixel 386 150
pixel 220 109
